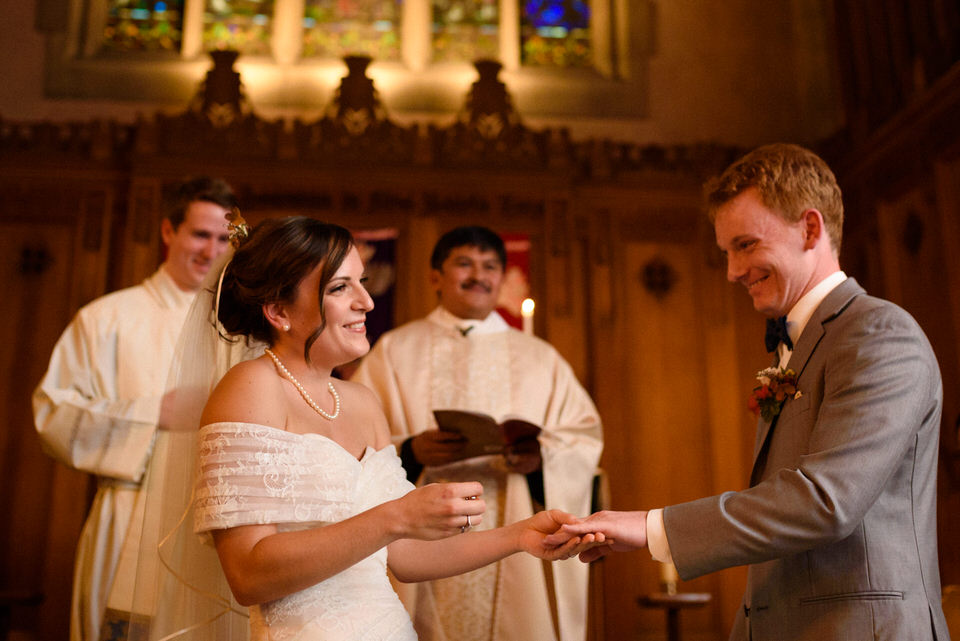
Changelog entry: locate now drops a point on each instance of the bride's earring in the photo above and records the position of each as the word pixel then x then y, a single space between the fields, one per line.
pixel 286 327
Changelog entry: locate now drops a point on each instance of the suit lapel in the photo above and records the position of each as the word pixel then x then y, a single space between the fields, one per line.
pixel 831 307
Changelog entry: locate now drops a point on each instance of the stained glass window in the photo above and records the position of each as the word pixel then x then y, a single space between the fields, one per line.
pixel 243 25
pixel 142 25
pixel 555 33
pixel 335 28
pixel 465 30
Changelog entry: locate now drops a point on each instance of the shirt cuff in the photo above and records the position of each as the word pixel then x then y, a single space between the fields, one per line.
pixel 657 538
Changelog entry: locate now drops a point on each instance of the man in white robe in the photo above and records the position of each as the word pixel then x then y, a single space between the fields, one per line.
pixel 464 356
pixel 99 403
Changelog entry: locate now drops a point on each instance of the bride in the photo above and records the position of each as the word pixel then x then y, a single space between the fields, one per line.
pixel 298 484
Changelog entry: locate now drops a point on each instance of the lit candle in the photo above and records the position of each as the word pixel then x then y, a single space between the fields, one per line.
pixel 669 577
pixel 526 311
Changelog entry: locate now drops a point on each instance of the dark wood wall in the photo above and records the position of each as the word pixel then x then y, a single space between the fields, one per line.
pixel 890 52
pixel 55 240
pixel 898 162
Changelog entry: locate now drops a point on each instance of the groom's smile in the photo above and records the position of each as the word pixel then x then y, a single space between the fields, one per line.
pixel 764 252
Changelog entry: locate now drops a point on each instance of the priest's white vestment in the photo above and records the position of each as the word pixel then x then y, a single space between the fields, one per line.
pixel 96 410
pixel 438 363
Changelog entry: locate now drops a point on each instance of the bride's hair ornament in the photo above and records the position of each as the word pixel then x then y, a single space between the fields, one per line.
pixel 239 230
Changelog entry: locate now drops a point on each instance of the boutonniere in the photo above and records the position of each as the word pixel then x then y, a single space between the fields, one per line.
pixel 776 384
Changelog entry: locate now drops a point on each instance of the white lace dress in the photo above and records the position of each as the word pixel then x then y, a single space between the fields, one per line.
pixel 252 474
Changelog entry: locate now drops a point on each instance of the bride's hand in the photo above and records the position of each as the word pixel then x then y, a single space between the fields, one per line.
pixel 537 529
pixel 440 510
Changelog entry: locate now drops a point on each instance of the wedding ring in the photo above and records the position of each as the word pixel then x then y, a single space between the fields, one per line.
pixel 469 524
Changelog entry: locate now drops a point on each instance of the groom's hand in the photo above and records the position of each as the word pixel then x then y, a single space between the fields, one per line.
pixel 622 532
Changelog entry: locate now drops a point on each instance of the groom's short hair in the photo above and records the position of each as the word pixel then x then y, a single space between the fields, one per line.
pixel 789 179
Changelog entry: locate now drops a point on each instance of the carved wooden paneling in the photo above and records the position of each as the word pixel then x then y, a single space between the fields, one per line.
pixel 891 52
pixel 603 285
pixel 948 509
pixel 560 239
pixel 141 242
pixel 562 298
pixel 649 367
pixel 55 242
pixel 910 241
pixel 413 275
pixel 606 334
pixel 948 191
pixel 45 503
pixel 897 167
pixel 94 242
pixel 666 444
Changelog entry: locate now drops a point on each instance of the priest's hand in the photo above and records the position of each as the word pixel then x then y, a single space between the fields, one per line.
pixel 168 419
pixel 523 457
pixel 437 447
pixel 623 531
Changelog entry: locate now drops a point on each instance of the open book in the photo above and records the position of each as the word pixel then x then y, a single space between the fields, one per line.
pixel 484 435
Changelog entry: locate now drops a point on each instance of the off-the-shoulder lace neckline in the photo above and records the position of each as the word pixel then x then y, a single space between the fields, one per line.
pixel 367 451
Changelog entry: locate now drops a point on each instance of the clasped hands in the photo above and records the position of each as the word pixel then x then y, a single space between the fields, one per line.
pixel 564 535
pixel 439 510
pixel 608 532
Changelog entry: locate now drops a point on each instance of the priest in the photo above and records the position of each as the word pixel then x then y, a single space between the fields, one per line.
pixel 99 403
pixel 464 356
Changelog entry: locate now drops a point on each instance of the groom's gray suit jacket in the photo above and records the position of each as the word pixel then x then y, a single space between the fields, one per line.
pixel 839 523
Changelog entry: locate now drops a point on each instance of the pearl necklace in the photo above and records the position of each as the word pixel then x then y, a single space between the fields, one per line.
pixel 303 392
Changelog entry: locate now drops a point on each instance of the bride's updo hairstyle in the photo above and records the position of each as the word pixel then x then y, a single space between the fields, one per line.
pixel 268 266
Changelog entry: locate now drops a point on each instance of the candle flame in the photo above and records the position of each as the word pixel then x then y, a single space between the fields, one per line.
pixel 526 307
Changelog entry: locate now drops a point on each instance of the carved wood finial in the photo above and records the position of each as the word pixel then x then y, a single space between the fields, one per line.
pixel 220 98
pixel 356 105
pixel 488 131
pixel 489 110
pixel 219 121
pixel 355 128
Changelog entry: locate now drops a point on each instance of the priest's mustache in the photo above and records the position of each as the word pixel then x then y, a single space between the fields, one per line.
pixel 468 284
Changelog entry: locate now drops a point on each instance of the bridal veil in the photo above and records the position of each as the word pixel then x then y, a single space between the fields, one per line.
pixel 180 592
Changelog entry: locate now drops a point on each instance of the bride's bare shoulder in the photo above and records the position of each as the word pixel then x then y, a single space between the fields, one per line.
pixel 249 393
pixel 368 411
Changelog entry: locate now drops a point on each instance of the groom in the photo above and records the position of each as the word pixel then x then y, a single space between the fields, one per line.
pixel 838 526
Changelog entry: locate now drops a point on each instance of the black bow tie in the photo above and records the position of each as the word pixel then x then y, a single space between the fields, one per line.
pixel 465 330
pixel 777 333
